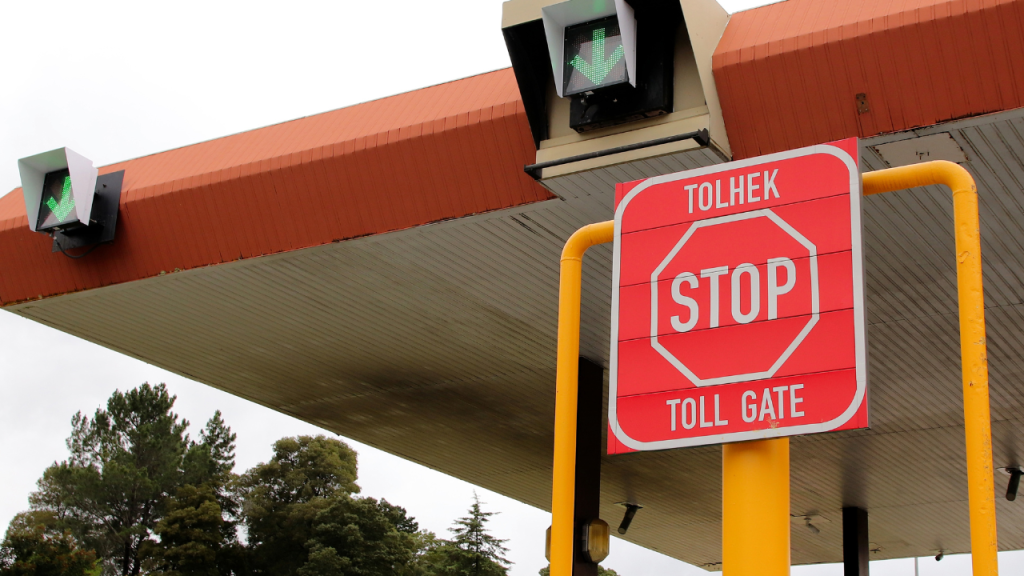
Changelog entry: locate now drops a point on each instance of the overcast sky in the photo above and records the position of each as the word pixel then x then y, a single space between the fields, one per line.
pixel 119 80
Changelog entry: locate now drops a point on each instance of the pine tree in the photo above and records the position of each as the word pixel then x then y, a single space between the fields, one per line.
pixel 472 551
pixel 485 553
pixel 209 464
pixel 198 535
pixel 133 473
pixel 211 460
pixel 190 534
pixel 125 462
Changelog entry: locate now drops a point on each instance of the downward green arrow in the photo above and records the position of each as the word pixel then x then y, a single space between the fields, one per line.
pixel 67 201
pixel 600 68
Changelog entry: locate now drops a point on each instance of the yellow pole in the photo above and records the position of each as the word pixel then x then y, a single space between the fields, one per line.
pixel 974 359
pixel 755 508
pixel 564 475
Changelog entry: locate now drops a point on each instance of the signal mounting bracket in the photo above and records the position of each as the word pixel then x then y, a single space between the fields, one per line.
pixel 103 217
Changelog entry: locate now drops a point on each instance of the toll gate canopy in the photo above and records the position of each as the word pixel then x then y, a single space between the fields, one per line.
pixel 389 272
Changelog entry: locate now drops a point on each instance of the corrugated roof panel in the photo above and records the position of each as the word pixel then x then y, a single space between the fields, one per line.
pixel 433 154
pixel 788 73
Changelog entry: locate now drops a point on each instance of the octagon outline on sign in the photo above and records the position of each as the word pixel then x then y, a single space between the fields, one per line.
pixel 678 364
pixel 860 331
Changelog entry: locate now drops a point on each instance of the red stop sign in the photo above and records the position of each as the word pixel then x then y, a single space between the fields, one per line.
pixel 738 302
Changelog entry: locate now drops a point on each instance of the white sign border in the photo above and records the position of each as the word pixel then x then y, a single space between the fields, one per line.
pixel 859 320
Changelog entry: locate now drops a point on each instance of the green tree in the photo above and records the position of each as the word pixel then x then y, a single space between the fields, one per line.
pixel 124 463
pixel 361 537
pixel 197 534
pixel 212 460
pixel 34 547
pixel 601 571
pixel 192 536
pixel 472 551
pixel 304 518
pixel 282 498
pixel 132 469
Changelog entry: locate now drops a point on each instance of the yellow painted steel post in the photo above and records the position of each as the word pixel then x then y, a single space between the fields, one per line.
pixel 564 475
pixel 977 418
pixel 755 508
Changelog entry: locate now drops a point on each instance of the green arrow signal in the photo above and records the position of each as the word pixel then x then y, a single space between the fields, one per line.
pixel 597 71
pixel 67 201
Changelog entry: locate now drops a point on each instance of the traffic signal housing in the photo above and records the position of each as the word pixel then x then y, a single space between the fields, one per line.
pixel 593 49
pixel 66 198
pixel 607 82
pixel 58 187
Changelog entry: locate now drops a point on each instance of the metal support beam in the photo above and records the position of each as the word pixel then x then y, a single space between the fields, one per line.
pixel 855 542
pixel 981 496
pixel 563 481
pixel 588 460
pixel 755 508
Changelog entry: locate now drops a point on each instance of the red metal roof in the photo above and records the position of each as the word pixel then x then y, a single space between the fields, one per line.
pixel 788 74
pixel 433 154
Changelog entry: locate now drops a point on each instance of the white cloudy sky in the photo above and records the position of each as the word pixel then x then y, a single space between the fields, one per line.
pixel 118 80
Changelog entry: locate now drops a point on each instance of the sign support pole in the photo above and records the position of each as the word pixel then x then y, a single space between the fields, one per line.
pixel 755 508
pixel 974 358
pixel 563 485
pixel 756 473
